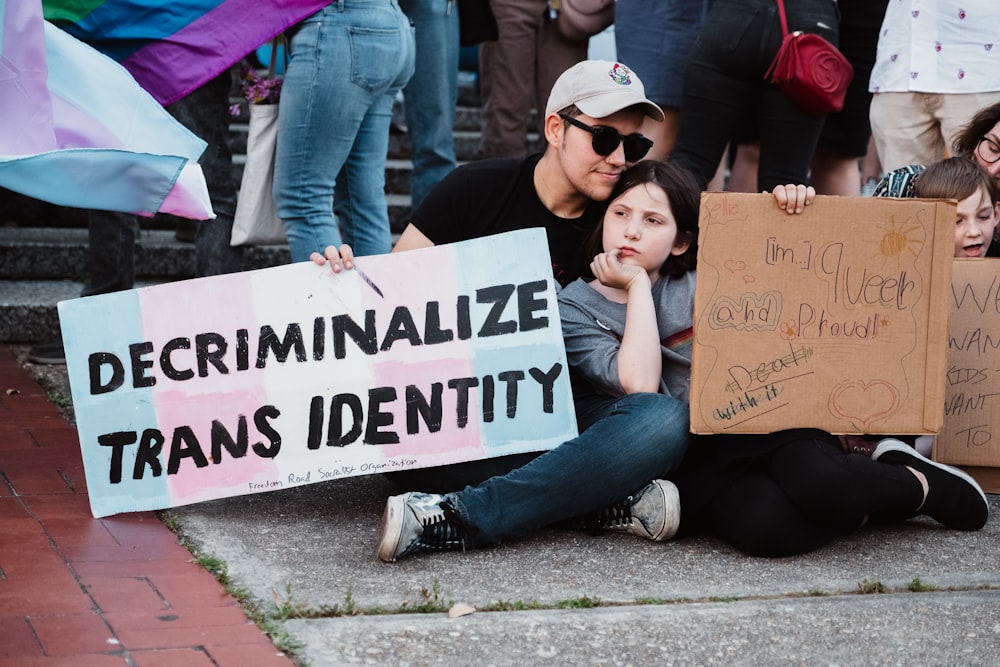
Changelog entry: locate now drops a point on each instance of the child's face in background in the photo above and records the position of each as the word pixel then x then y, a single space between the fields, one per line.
pixel 976 220
pixel 987 153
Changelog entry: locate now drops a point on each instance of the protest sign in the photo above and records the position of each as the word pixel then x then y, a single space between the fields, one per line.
pixel 972 395
pixel 833 319
pixel 293 375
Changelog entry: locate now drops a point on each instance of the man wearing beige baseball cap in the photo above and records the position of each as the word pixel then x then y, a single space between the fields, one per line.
pixel 592 122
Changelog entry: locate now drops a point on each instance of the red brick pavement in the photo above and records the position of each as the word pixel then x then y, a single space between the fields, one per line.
pixel 76 591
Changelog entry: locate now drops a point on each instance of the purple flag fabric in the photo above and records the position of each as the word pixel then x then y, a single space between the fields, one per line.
pixel 172 47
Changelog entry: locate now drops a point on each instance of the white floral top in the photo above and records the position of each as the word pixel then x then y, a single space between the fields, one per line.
pixel 938 46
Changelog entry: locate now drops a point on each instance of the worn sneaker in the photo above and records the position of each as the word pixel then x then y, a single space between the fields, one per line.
pixel 653 512
pixel 953 498
pixel 415 522
pixel 50 352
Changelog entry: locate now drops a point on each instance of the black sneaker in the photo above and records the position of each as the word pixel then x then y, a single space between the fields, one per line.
pixel 415 522
pixel 953 498
pixel 50 352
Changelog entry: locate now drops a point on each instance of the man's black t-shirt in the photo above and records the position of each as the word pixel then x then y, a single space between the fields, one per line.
pixel 494 196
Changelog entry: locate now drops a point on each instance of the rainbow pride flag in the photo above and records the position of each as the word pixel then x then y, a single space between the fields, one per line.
pixel 173 47
pixel 78 131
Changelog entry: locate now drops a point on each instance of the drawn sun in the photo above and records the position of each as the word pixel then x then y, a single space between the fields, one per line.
pixel 900 238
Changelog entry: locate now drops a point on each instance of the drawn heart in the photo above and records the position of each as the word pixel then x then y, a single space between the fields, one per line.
pixel 747 279
pixel 858 401
pixel 733 265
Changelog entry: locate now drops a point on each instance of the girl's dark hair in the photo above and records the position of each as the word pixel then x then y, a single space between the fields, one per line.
pixel 973 132
pixel 954 178
pixel 684 197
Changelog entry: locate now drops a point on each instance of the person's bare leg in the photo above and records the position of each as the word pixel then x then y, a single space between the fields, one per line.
pixel 718 182
pixel 743 177
pixel 663 133
pixel 834 174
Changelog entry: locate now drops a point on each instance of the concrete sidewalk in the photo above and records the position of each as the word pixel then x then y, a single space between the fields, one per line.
pixel 306 557
pixel 564 598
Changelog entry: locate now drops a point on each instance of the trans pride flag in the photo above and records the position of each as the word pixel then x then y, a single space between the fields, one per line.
pixel 172 47
pixel 78 131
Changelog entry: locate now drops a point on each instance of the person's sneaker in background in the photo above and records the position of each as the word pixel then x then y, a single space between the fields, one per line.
pixel 952 497
pixel 50 352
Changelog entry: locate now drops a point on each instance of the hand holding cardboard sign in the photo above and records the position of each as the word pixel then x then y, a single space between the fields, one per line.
pixel 793 198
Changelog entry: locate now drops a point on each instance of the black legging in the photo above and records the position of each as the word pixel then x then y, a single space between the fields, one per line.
pixel 792 499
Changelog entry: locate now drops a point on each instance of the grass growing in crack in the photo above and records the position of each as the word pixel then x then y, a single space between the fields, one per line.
pixel 869 586
pixel 918 586
pixel 519 605
pixel 430 601
pixel 646 600
pixel 285 608
pixel 579 603
pixel 810 593
pixel 220 570
pixel 216 567
pixel 723 598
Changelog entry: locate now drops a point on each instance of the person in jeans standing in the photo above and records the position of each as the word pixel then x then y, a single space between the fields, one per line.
pixel 346 64
pixel 432 93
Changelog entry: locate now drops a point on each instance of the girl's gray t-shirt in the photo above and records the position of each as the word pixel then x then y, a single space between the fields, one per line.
pixel 593 328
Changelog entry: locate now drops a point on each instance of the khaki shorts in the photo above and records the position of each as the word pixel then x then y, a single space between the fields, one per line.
pixel 919 128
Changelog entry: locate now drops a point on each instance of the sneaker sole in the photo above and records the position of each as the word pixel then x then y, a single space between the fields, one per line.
pixel 392 527
pixel 896 446
pixel 47 361
pixel 671 520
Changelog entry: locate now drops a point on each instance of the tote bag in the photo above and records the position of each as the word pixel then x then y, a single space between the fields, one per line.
pixel 256 221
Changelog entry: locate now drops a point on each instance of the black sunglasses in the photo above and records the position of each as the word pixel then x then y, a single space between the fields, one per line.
pixel 606 139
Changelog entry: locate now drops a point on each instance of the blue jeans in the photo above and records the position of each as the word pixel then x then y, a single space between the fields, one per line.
pixel 346 64
pixel 626 443
pixel 432 94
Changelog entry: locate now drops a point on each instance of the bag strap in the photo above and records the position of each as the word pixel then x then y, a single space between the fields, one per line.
pixel 282 42
pixel 784 20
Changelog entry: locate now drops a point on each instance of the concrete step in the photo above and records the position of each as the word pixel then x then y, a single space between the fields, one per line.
pixel 28 308
pixel 48 216
pixel 466 143
pixel 46 253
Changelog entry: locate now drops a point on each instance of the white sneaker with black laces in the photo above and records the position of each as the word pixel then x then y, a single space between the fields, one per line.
pixel 415 522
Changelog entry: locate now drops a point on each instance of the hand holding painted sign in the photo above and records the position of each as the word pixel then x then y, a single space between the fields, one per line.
pixel 833 320
pixel 268 379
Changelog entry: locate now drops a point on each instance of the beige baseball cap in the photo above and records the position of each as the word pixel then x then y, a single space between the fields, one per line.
pixel 599 88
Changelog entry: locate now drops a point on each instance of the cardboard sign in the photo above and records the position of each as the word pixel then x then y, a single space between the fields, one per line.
pixel 833 319
pixel 293 375
pixel 970 436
